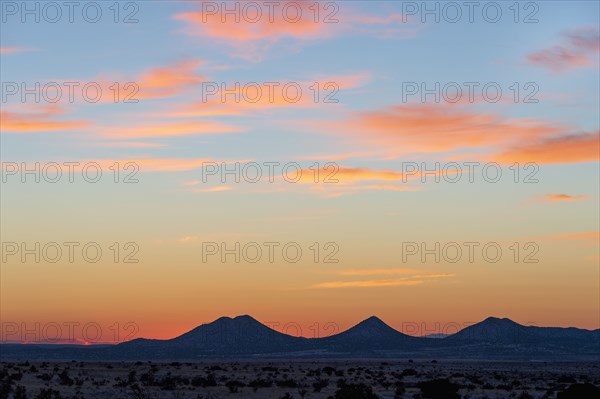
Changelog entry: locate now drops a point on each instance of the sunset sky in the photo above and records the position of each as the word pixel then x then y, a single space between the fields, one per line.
pixel 361 148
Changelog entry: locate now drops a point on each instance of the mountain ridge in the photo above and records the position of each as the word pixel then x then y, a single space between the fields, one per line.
pixel 245 337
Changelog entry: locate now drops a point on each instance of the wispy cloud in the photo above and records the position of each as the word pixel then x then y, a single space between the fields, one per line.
pixel 251 39
pixel 579 49
pixel 187 239
pixel 245 99
pixel 14 50
pixel 153 83
pixel 444 128
pixel 413 277
pixel 215 189
pixel 376 272
pixel 367 283
pixel 565 197
pixel 162 129
pixel 436 128
pixel 152 164
pixel 39 119
pixel 585 236
pixel 123 144
pixel 570 148
pixel 170 80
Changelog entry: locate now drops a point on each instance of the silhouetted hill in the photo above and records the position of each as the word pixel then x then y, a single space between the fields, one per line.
pixel 496 330
pixel 245 337
pixel 501 338
pixel 242 335
pixel 370 336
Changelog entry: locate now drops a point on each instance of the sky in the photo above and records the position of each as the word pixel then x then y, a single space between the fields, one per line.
pixel 166 163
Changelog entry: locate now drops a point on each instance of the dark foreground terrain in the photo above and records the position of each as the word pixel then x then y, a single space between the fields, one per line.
pixel 340 379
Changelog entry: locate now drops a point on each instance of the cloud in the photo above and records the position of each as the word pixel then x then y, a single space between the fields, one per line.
pixel 573 148
pixel 216 189
pixel 153 164
pixel 393 26
pixel 154 83
pixel 372 272
pixel 367 283
pixel 164 164
pixel 250 36
pixel 187 239
pixel 583 236
pixel 246 98
pixel 335 174
pixel 579 49
pixel 334 180
pixel 437 128
pixel 38 119
pixel 123 144
pixel 339 156
pixel 157 129
pixel 141 165
pixel 13 50
pixel 565 197
pixel 218 25
pixel 334 191
pixel 415 279
pixel 170 80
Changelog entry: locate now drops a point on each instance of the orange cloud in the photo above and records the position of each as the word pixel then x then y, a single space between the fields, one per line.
pixel 372 272
pixel 412 280
pixel 579 50
pixel 367 283
pixel 591 235
pixel 271 27
pixel 13 50
pixel 339 156
pixel 574 148
pixel 250 36
pixel 155 83
pixel 430 128
pixel 438 128
pixel 215 189
pixel 169 81
pixel 346 175
pixel 334 181
pixel 38 119
pixel 186 128
pixel 124 144
pixel 565 197
pixel 140 165
pixel 153 164
pixel 164 164
pixel 243 98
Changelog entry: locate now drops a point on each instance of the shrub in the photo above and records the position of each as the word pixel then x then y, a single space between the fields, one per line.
pixel 439 389
pixel 580 391
pixel 319 384
pixel 234 385
pixel 355 391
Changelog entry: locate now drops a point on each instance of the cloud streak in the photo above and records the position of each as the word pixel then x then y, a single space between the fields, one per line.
pixel 413 278
pixel 39 119
pixel 557 149
pixel 579 49
pixel 565 197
